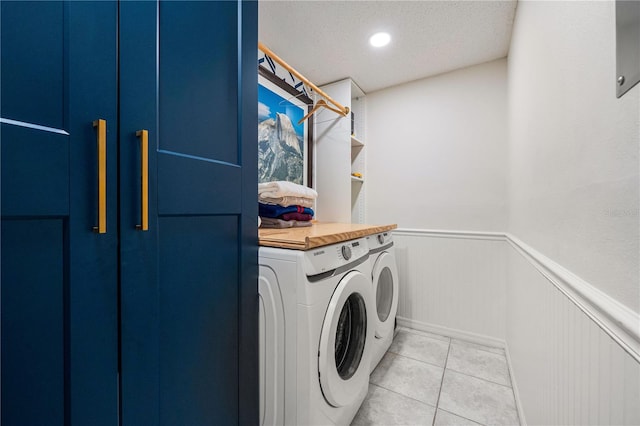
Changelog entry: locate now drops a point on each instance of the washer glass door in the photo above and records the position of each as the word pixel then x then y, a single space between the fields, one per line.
pixel 344 352
pixel 351 335
pixel 385 287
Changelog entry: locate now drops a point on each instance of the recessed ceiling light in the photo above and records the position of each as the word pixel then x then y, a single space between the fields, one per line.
pixel 380 39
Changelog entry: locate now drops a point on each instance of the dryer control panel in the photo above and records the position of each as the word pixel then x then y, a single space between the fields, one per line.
pixel 380 241
pixel 328 258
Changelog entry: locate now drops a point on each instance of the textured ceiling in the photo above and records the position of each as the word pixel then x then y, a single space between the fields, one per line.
pixel 328 40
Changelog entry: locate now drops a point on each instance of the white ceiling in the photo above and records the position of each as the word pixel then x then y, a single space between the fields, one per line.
pixel 327 41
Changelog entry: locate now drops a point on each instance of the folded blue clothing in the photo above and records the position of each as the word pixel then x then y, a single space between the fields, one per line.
pixel 270 210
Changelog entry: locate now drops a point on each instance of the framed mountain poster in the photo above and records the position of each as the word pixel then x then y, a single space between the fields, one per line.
pixel 285 150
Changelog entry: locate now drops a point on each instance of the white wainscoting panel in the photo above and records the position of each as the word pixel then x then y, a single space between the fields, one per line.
pixel 453 280
pixel 573 351
pixel 568 369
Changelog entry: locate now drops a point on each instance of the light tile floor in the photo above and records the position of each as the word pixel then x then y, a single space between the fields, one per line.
pixel 427 379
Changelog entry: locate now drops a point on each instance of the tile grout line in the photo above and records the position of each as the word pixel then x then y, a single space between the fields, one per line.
pixel 455 340
pixel 444 370
pixel 462 417
pixel 420 360
pixel 427 334
pixel 459 342
pixel 477 346
pixel 401 394
pixel 481 378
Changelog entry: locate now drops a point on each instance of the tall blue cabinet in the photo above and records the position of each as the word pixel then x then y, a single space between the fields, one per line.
pixel 129 246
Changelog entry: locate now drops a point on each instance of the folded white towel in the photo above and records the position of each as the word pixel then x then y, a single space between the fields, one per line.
pixel 286 201
pixel 285 189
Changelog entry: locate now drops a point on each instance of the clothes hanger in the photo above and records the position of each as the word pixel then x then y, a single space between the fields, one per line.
pixel 320 103
pixel 329 107
pixel 310 113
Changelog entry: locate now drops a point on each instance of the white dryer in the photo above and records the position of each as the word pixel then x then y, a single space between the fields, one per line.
pixel 316 333
pixel 384 278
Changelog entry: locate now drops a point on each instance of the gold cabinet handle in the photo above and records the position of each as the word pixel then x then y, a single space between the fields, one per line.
pixel 102 176
pixel 144 179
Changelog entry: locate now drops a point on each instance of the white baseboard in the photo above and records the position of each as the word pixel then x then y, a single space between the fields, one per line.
pixel 453 333
pixel 514 386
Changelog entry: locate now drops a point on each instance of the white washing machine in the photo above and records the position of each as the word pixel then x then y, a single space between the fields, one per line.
pixel 385 290
pixel 316 333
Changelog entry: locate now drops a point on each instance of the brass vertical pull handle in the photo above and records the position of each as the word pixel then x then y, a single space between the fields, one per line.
pixel 144 179
pixel 102 176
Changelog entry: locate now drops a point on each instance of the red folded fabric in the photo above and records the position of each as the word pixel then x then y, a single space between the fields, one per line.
pixel 296 216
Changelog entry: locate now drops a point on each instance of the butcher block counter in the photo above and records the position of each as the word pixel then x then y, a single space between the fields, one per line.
pixel 318 235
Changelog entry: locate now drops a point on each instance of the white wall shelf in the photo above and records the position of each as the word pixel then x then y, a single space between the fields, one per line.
pixel 340 151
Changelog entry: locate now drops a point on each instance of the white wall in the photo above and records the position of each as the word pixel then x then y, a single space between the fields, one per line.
pixel 436 159
pixel 452 282
pixel 436 151
pixel 573 196
pixel 574 171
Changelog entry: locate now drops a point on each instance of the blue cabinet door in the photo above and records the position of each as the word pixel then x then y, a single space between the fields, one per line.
pixel 59 278
pixel 188 75
pixel 141 327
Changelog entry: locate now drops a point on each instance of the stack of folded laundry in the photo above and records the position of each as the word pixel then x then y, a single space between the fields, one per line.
pixel 285 204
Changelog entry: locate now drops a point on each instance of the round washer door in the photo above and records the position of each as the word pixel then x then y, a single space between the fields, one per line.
pixel 385 291
pixel 345 341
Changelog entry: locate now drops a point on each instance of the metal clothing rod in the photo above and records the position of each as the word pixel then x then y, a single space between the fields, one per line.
pixel 343 110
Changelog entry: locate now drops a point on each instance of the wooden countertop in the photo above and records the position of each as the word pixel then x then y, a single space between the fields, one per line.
pixel 317 235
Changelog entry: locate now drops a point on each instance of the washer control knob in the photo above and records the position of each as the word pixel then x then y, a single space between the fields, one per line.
pixel 346 252
pixel 381 238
